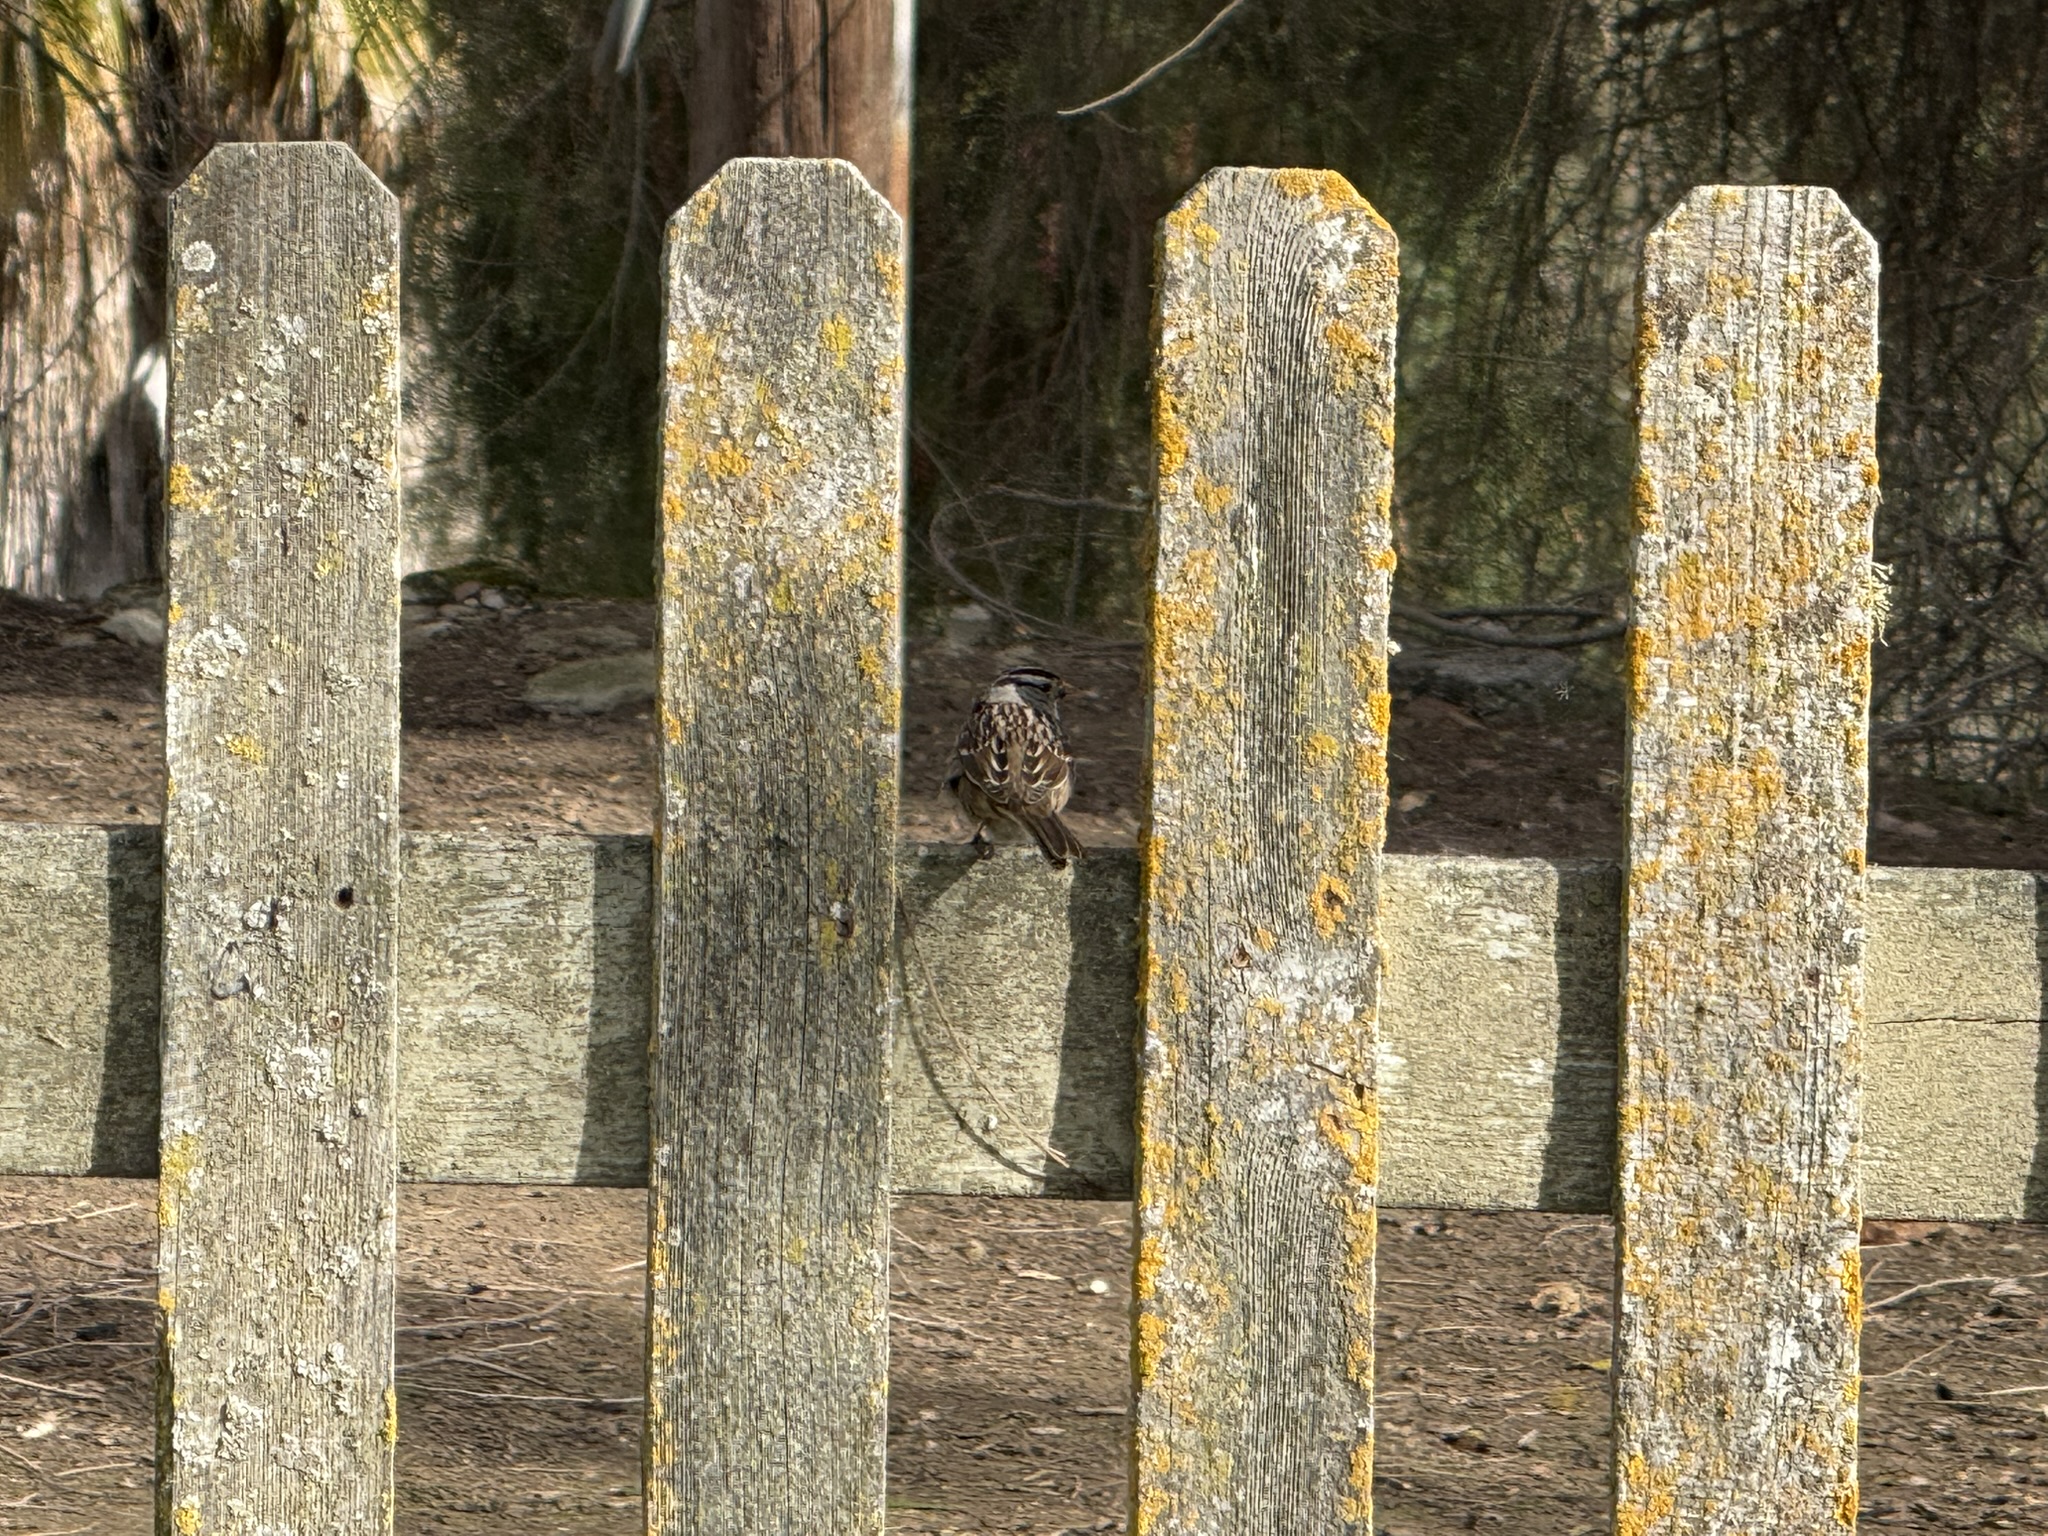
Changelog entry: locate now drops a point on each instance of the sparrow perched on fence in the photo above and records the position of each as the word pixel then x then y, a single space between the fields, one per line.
pixel 1014 765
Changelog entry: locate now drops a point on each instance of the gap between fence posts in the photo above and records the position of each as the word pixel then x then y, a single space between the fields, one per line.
pixel 1258 1113
pixel 1735 1374
pixel 775 876
pixel 278 1204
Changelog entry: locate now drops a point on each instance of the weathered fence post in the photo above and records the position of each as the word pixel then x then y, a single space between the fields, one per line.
pixel 1258 1121
pixel 278 1152
pixel 767 1266
pixel 1749 670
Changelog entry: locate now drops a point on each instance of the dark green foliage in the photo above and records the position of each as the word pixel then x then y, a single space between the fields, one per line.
pixel 1034 257
pixel 538 190
pixel 1522 152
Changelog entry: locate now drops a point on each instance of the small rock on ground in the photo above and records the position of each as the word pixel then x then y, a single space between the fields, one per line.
pixel 595 686
pixel 136 626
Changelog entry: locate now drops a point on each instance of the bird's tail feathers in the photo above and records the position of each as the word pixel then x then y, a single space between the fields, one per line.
pixel 1055 839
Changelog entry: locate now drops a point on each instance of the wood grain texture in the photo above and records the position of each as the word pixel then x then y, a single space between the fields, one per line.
pixel 775 874
pixel 1753 597
pixel 280 932
pixel 524 979
pixel 773 77
pixel 496 939
pixel 1258 1130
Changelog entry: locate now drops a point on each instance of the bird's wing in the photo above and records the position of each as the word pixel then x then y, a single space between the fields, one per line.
pixel 1015 758
pixel 1044 772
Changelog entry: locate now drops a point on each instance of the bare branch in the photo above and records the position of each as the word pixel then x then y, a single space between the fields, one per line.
pixel 1490 635
pixel 1180 55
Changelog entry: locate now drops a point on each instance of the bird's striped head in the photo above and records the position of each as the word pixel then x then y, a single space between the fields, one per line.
pixel 1028 685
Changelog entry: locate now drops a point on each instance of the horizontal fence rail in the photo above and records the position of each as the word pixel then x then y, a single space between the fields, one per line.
pixel 523 986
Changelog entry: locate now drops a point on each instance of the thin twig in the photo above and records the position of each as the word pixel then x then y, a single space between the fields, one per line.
pixel 942 556
pixel 116 1265
pixel 103 1466
pixel 58 1221
pixel 938 1325
pixel 1080 503
pixel 1180 55
pixel 1948 1284
pixel 1487 636
pixel 527 1397
pixel 455 1325
pixel 43 1386
pixel 1911 1367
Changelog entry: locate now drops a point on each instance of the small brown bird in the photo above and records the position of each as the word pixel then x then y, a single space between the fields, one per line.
pixel 1014 765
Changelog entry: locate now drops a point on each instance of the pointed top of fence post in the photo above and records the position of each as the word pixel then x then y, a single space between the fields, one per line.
pixel 244 158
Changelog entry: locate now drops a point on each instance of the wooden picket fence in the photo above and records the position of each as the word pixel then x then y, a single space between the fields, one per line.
pixel 1708 1042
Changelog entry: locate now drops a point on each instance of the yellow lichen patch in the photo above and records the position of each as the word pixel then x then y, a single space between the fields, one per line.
pixel 1214 498
pixel 245 747
pixel 1350 1122
pixel 1646 1498
pixel 1330 190
pixel 836 336
pixel 174 613
pixel 1177 993
pixel 182 490
pixel 1851 1281
pixel 185 1518
pixel 1189 213
pixel 1148 1348
pixel 1643 503
pixel 1327 903
pixel 377 300
pixel 390 1426
pixel 727 461
pixel 1379 711
pixel 176 1164
pixel 1354 358
pixel 1168 428
pixel 1145 1272
pixel 1152 1504
pixel 1320 749
pixel 1383 558
pixel 1182 614
pixel 190 307
pixel 890 267
pixel 1852 659
pixel 1846 1500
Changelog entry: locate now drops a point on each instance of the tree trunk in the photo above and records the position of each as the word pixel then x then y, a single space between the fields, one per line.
pixel 804 77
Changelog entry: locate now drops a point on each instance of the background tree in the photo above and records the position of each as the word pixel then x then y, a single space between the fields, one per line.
pixel 104 107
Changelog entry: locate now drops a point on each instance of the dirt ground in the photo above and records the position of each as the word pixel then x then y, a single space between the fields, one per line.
pixel 520 1340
